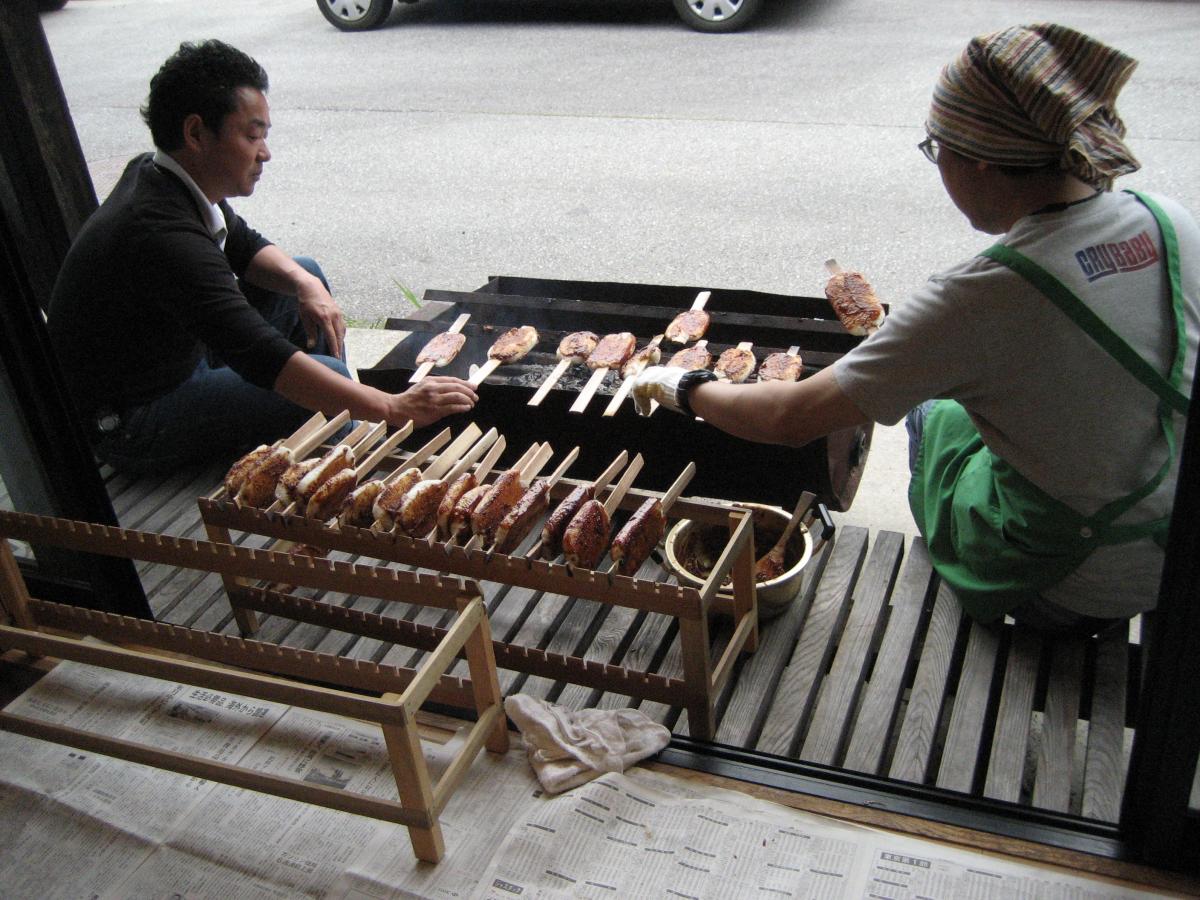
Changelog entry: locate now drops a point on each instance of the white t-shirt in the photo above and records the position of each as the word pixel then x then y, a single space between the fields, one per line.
pixel 1044 396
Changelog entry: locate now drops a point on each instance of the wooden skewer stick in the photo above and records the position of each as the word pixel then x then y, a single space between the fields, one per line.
pixel 316 438
pixel 477 450
pixel 481 472
pixel 701 299
pixel 627 384
pixel 453 452
pixel 676 490
pixel 668 499
pixel 832 267
pixel 376 456
pixel 434 444
pixel 313 424
pixel 427 367
pixel 589 391
pixel 361 444
pixel 621 488
pixel 480 375
pixel 551 380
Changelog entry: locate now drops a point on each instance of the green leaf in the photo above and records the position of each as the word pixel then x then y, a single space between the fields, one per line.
pixel 407 293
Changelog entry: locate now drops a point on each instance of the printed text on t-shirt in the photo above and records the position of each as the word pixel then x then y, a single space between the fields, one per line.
pixel 1100 260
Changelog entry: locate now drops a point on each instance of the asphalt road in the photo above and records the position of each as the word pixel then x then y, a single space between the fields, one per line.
pixel 604 140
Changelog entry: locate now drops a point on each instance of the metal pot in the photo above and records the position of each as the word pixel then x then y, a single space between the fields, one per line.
pixel 691 549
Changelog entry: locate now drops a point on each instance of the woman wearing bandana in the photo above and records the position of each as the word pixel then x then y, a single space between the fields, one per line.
pixel 1045 380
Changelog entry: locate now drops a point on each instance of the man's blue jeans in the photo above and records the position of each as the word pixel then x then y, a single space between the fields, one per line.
pixel 215 414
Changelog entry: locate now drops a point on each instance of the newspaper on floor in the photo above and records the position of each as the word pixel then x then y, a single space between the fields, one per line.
pixel 642 834
pixel 133 831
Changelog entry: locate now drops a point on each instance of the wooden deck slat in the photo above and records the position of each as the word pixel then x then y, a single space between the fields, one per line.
pixel 1056 754
pixel 607 646
pixel 915 745
pixel 745 709
pixel 1104 767
pixel 881 703
pixel 831 723
pixel 1014 717
pixel 964 740
pixel 794 700
pixel 570 639
pixel 643 654
pixel 544 615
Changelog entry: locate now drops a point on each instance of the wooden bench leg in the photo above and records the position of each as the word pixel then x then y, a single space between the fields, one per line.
pixel 413 784
pixel 481 664
pixel 697 677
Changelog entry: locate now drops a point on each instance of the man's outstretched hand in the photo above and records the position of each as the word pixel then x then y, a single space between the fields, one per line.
pixel 430 399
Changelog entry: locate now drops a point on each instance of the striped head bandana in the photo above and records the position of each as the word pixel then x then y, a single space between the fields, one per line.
pixel 1035 95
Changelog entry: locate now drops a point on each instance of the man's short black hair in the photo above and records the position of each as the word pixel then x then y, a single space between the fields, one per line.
pixel 201 78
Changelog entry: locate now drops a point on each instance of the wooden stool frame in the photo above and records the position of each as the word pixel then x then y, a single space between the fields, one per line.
pixel 402 690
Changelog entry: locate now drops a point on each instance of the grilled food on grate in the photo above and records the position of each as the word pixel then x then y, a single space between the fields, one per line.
pixel 781 367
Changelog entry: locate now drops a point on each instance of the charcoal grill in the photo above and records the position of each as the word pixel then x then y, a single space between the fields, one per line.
pixel 727 467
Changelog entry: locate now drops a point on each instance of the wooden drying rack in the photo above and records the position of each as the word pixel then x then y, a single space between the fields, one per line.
pixel 703 678
pixel 402 690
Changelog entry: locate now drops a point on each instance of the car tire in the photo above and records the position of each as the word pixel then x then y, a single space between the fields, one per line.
pixel 716 16
pixel 50 5
pixel 355 15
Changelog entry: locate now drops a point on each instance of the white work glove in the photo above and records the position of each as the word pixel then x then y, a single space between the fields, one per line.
pixel 656 384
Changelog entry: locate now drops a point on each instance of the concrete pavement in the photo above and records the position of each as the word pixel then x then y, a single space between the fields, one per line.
pixel 601 139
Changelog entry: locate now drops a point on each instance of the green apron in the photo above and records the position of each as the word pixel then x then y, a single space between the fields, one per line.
pixel 996 538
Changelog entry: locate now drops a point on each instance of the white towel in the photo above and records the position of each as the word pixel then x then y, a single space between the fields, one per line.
pixel 568 748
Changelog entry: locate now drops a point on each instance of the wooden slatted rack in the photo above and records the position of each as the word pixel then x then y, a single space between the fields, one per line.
pixel 702 676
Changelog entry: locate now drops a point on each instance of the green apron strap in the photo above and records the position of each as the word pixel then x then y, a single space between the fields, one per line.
pixel 1167 388
pixel 1092 324
pixel 1166 229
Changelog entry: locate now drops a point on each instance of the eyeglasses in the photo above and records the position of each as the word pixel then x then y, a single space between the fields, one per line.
pixel 930 149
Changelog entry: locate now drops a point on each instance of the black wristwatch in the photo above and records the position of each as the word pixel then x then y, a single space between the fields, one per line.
pixel 688 381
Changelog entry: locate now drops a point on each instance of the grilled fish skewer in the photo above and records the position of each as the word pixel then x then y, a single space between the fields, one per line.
pixel 647 356
pixel 574 348
pixel 736 364
pixel 646 527
pixel 508 348
pixel 525 513
pixel 585 540
pixel 441 349
pixel 459 519
pixel 613 351
pixel 853 299
pixel 448 521
pixel 782 366
pixel 691 324
pixel 550 545
pixel 506 491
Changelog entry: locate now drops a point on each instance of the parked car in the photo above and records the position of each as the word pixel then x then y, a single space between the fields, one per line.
pixel 703 15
